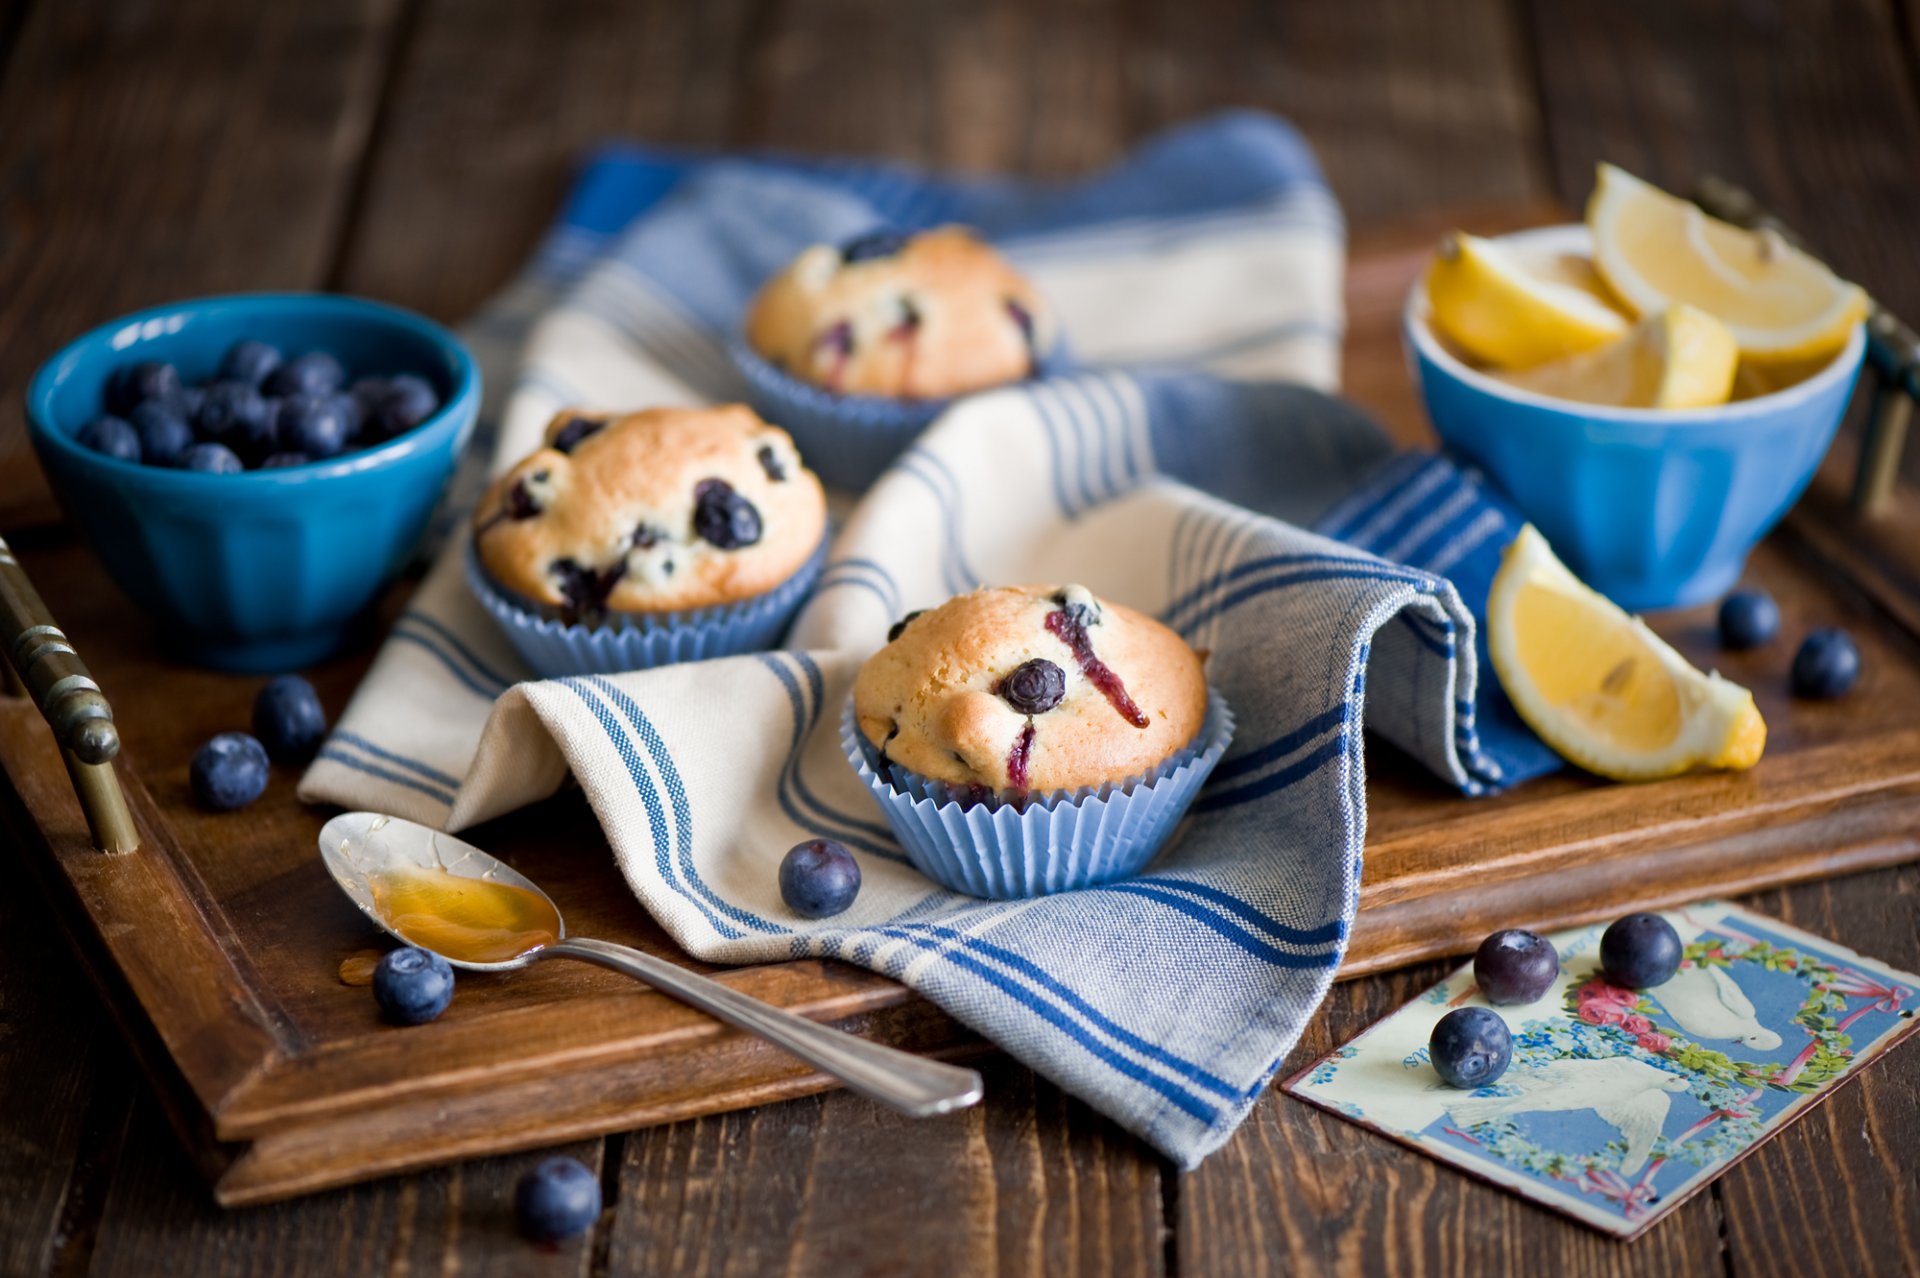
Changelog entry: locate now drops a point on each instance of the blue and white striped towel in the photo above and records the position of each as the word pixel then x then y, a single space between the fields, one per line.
pixel 1166 1001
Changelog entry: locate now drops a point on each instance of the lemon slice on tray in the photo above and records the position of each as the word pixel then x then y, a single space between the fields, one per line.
pixel 1655 250
pixel 1511 310
pixel 1601 688
pixel 1680 358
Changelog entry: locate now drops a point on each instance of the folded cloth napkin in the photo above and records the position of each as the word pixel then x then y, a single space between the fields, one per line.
pixel 1168 1000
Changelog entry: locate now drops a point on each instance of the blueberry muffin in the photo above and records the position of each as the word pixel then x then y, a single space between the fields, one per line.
pixel 926 316
pixel 666 510
pixel 1030 688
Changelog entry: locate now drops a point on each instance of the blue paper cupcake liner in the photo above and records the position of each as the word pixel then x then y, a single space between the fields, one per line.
pixel 641 641
pixel 847 440
pixel 1005 848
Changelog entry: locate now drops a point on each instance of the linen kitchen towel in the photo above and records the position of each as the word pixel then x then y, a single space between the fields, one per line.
pixel 1166 1001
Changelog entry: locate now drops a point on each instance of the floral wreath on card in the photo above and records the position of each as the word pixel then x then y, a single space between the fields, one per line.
pixel 1627 1014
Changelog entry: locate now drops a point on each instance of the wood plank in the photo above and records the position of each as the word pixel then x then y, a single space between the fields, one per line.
pixel 1028 1182
pixel 457 1220
pixel 492 110
pixel 1299 1190
pixel 1411 106
pixel 152 152
pixel 1835 1192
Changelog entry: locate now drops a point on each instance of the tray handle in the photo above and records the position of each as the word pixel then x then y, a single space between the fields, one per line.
pixel 42 664
pixel 1893 348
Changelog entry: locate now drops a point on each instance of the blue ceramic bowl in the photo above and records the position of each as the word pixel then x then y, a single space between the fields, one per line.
pixel 1655 508
pixel 267 569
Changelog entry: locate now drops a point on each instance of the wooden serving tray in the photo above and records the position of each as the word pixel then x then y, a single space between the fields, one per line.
pixel 218 943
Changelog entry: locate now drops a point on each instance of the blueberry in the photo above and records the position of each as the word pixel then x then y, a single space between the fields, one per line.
pixel 237 415
pixel 770 463
pixel 723 517
pixel 316 425
pixel 367 392
pixel 164 432
pixel 133 384
pixel 215 459
pixel 407 402
pixel 819 878
pixel 1035 686
pixel 111 437
pixel 1827 665
pixel 1470 1047
pixel 1748 618
pixel 228 772
pixel 315 373
pixel 558 1200
pixel 1640 951
pixel 412 986
pixel 190 401
pixel 873 244
pixel 250 362
pixel 280 461
pixel 568 437
pixel 288 719
pixel 900 627
pixel 1515 966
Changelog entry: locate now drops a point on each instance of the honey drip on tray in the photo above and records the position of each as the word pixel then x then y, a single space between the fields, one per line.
pixel 472 920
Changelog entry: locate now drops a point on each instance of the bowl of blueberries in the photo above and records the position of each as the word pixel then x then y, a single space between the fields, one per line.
pixel 254 469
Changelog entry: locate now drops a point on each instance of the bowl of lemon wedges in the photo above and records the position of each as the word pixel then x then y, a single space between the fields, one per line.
pixel 1652 387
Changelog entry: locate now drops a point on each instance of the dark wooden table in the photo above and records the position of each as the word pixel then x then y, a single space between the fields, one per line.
pixel 413 149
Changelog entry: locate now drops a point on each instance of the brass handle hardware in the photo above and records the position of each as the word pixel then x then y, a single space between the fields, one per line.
pixel 45 666
pixel 1893 349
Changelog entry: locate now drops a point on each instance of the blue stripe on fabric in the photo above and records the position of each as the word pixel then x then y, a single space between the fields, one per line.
pixel 682 809
pixel 454 641
pixel 1271 584
pixel 453 667
pixel 859 583
pixel 650 797
pixel 1442 647
pixel 346 760
pixel 792 790
pixel 1213 801
pixel 1086 435
pixel 1353 511
pixel 1260 949
pixel 884 585
pixel 1333 930
pixel 1280 747
pixel 1041 398
pixel 1192 597
pixel 1046 981
pixel 1122 418
pixel 946 493
pixel 381 752
pixel 1059 1019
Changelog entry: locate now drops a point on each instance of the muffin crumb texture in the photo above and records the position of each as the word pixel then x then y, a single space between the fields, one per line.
pixel 663 510
pixel 925 316
pixel 1031 688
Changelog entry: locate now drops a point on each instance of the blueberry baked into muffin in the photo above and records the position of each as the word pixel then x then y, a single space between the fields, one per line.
pixel 666 516
pixel 1030 739
pixel 926 316
pixel 855 348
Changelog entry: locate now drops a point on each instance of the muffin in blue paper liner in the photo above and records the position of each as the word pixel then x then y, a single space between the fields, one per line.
pixel 1007 846
pixel 855 349
pixel 635 540
pixel 554 647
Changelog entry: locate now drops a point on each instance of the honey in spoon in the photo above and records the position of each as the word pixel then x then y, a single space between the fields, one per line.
pixel 466 919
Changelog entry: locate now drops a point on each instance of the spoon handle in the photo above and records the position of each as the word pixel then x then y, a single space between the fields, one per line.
pixel 911 1084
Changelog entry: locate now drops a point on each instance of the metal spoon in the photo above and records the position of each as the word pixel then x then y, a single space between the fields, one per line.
pixel 356 845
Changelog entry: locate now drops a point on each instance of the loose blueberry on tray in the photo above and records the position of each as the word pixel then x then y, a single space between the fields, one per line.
pixel 557 1200
pixel 1515 966
pixel 819 878
pixel 111 437
pixel 288 720
pixel 412 986
pixel 228 772
pixel 1640 951
pixel 1826 666
pixel 1748 619
pixel 1470 1047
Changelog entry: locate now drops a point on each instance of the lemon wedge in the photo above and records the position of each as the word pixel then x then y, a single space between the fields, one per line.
pixel 1680 358
pixel 1510 310
pixel 1655 250
pixel 1601 688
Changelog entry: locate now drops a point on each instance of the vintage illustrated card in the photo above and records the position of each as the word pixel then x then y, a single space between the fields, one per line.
pixel 1620 1104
